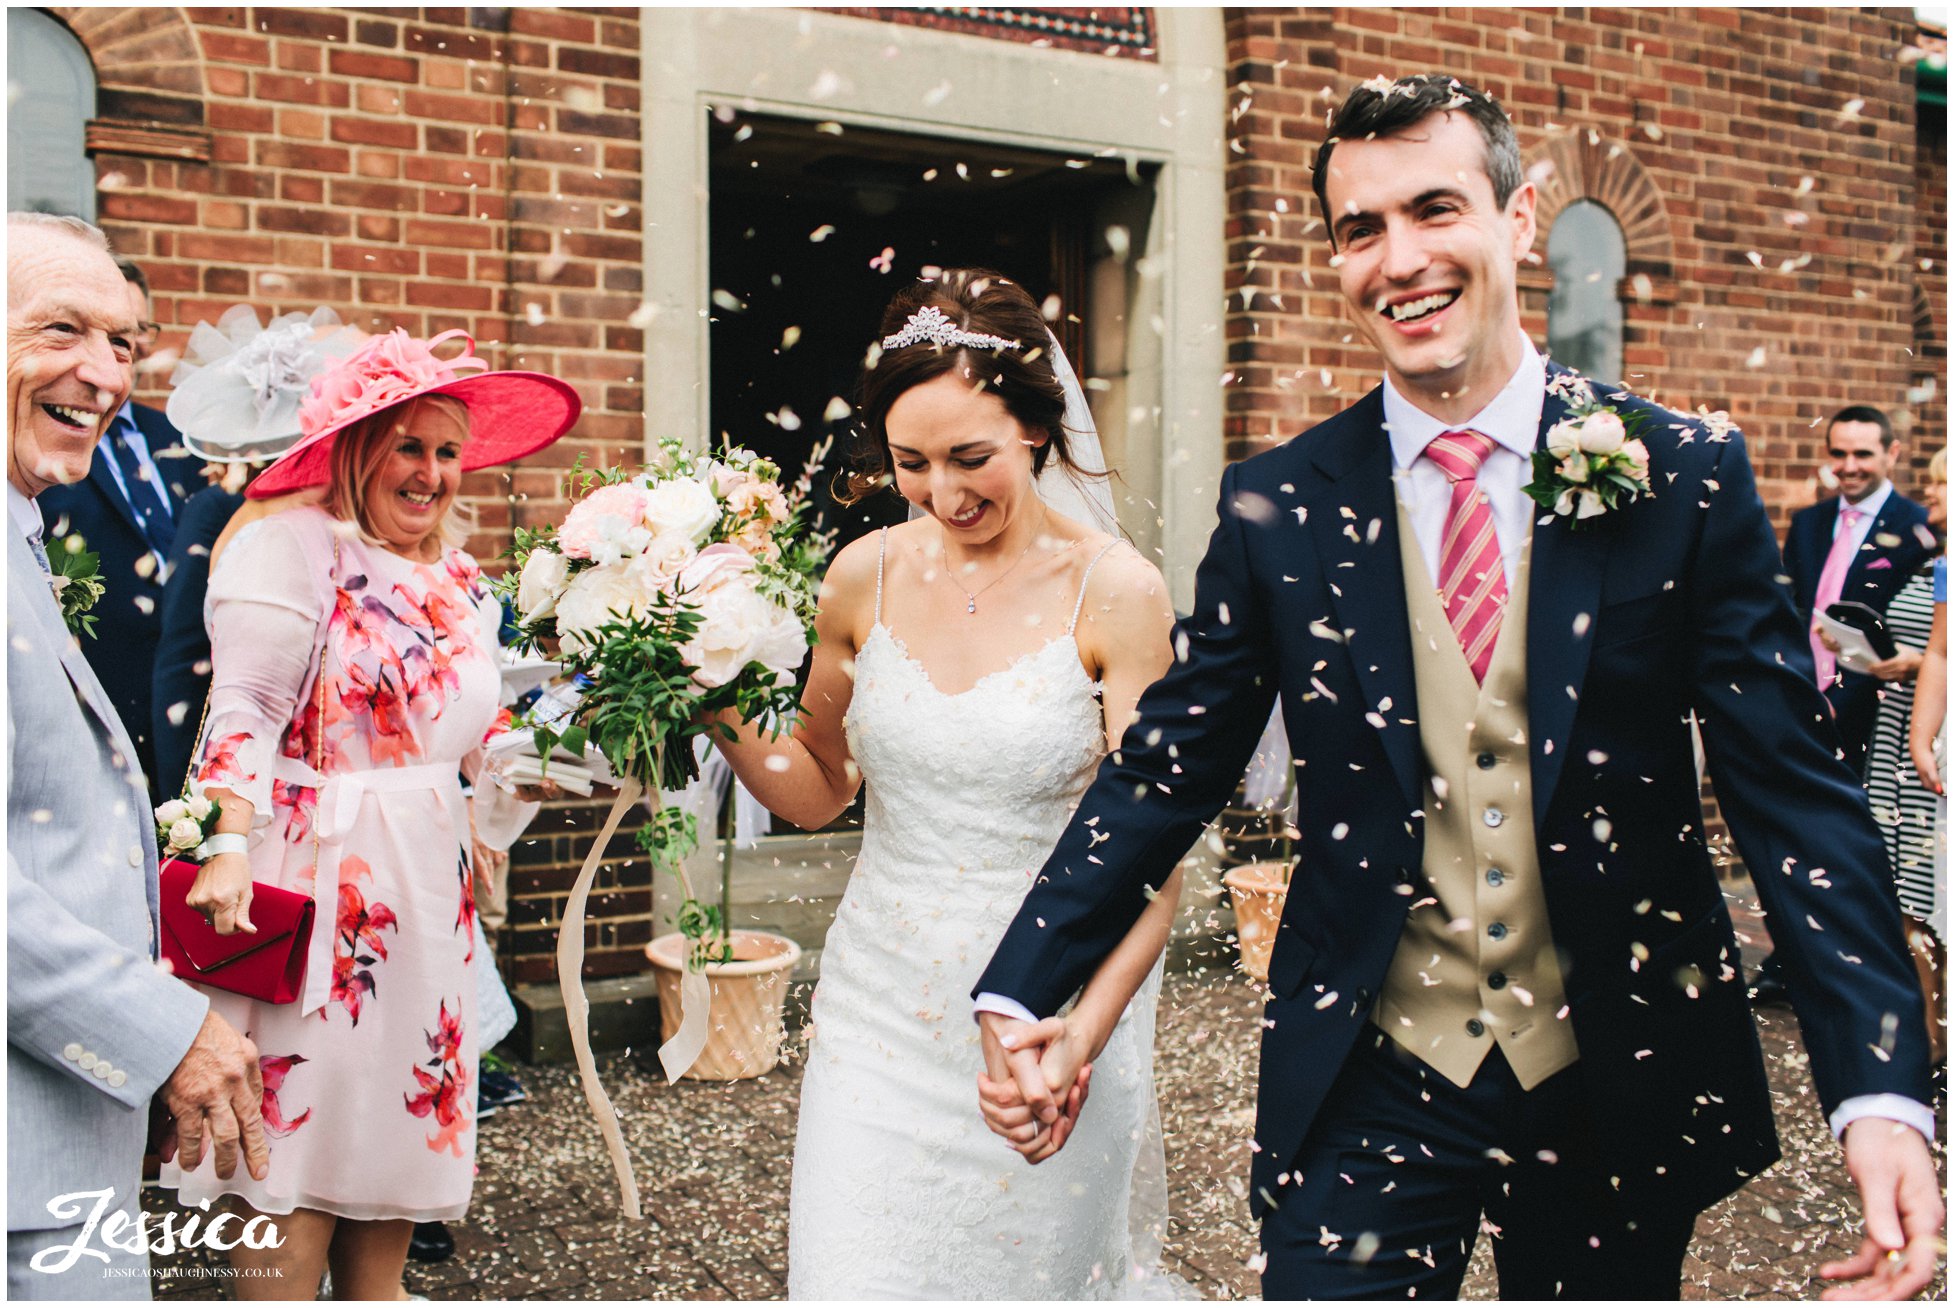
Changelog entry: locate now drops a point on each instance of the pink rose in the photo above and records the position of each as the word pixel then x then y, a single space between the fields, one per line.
pixel 737 625
pixel 602 522
pixel 1638 458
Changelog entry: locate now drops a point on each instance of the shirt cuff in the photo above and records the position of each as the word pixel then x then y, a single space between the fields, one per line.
pixel 990 1003
pixel 1897 1108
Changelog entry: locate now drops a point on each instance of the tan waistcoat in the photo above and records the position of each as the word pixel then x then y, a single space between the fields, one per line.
pixel 1476 965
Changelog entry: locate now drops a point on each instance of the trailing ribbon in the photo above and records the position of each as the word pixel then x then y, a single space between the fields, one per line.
pixel 576 1005
pixel 694 1005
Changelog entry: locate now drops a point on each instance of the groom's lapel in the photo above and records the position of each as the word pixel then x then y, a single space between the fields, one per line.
pixel 1357 539
pixel 1564 601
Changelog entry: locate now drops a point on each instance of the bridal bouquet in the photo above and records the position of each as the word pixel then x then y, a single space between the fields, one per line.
pixel 676 593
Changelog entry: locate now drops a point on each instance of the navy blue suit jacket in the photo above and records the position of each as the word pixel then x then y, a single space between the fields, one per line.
pixel 129 614
pixel 1892 553
pixel 182 678
pixel 1662 607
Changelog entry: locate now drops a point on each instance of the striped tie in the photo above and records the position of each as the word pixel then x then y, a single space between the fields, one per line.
pixel 1471 574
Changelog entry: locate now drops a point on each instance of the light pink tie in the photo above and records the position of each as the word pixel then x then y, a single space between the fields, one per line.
pixel 1831 585
pixel 1471 574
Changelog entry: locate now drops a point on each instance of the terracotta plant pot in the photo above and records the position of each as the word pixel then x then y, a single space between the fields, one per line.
pixel 748 998
pixel 1258 890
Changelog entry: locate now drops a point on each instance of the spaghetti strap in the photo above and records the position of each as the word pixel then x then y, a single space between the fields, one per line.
pixel 882 552
pixel 1079 605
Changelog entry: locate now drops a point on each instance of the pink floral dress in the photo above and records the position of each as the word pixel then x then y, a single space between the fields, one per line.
pixel 369 1100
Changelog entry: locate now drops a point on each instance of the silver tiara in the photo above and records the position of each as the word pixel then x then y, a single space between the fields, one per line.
pixel 929 323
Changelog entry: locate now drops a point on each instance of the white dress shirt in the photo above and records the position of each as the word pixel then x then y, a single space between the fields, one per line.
pixel 125 420
pixel 1867 509
pixel 26 514
pixel 1512 419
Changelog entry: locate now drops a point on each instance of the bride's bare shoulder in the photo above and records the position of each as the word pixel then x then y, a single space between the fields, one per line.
pixel 847 595
pixel 1126 599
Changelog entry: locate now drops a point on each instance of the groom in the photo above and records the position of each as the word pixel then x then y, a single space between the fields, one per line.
pixel 1505 982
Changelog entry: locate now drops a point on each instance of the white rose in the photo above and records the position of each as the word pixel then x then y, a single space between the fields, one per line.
pixel 596 596
pixel 1561 440
pixel 1591 505
pixel 543 578
pixel 663 560
pixel 1601 433
pixel 618 540
pixel 185 833
pixel 1574 467
pixel 737 625
pixel 681 505
pixel 171 813
pixel 199 807
pixel 1564 502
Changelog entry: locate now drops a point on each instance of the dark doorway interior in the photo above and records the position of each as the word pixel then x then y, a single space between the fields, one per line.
pixel 814 227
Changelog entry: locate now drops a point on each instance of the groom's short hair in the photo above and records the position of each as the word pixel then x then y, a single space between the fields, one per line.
pixel 1380 108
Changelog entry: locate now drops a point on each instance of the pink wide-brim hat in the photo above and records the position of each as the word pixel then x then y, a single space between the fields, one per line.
pixel 510 414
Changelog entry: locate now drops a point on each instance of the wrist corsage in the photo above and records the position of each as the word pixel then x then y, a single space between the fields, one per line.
pixel 1593 462
pixel 77 581
pixel 184 824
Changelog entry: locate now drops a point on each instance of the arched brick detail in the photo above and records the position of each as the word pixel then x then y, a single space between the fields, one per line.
pixel 1579 163
pixel 149 76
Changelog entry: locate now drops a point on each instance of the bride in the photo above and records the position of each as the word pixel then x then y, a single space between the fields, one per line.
pixel 974 665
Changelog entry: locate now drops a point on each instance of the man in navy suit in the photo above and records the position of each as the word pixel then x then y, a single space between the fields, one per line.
pixel 1505 982
pixel 125 512
pixel 1860 545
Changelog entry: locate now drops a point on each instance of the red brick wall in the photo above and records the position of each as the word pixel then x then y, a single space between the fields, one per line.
pixel 1930 300
pixel 1725 109
pixel 418 168
pixel 1109 30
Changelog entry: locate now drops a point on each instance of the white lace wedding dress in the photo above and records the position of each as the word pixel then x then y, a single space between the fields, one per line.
pixel 900 1191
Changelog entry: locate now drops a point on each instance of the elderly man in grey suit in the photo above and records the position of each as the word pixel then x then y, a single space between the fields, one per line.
pixel 94 1026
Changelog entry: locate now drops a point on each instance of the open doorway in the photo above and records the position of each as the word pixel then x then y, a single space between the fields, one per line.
pixel 814 226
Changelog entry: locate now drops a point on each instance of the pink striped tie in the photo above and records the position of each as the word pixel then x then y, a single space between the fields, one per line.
pixel 1471 574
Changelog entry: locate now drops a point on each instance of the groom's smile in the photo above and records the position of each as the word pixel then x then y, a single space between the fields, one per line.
pixel 1426 258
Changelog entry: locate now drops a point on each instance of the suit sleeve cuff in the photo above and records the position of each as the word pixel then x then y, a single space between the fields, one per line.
pixel 990 1003
pixel 1896 1108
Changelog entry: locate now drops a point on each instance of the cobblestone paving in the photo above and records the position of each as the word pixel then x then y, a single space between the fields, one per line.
pixel 714 1162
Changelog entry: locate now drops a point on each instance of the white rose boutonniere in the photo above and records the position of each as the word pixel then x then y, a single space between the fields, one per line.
pixel 1593 462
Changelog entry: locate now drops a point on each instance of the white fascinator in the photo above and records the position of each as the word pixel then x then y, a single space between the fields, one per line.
pixel 237 392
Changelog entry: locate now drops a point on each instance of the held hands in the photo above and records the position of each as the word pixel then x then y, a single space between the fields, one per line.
pixel 1901 1196
pixel 1035 1082
pixel 222 893
pixel 217 1091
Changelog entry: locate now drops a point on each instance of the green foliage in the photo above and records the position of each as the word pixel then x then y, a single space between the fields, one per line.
pixel 77 579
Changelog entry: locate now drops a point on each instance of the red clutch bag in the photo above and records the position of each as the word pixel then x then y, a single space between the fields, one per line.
pixel 268 966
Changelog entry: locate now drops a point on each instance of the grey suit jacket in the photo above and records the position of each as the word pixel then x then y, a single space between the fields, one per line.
pixel 94 1027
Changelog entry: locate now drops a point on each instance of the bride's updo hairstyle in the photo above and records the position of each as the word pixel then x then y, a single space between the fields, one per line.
pixel 974 301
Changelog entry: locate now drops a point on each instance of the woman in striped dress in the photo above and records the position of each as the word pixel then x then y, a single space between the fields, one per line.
pixel 1908 811
pixel 1903 806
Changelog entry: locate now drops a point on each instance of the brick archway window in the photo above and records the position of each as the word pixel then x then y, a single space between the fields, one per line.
pixel 52 87
pixel 1588 257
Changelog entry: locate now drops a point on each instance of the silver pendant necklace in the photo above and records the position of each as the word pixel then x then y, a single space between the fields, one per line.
pixel 970 596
